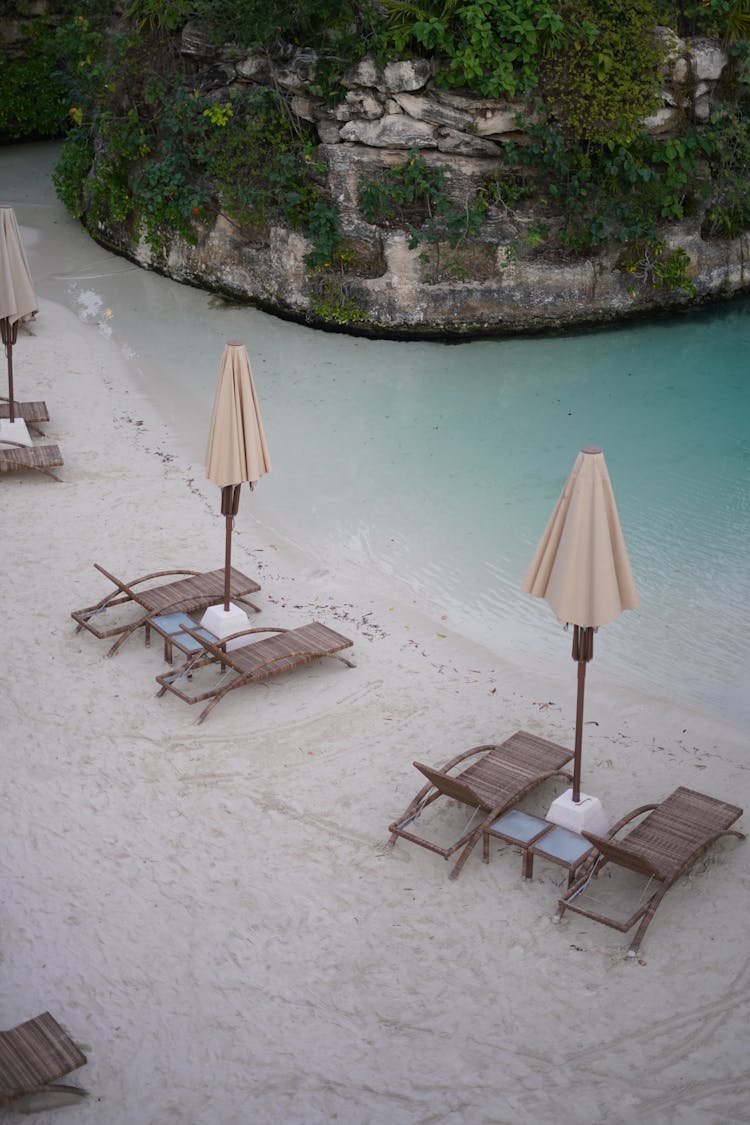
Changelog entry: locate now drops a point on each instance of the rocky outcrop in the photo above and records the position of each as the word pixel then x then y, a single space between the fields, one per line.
pixel 483 286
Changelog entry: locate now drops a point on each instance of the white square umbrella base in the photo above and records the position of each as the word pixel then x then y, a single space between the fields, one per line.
pixel 222 623
pixel 586 815
pixel 17 430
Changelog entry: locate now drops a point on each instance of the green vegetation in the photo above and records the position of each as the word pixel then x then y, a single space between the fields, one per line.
pixel 149 151
pixel 491 46
pixel 169 159
pixel 36 88
pixel 413 196
pixel 604 77
pixel 333 303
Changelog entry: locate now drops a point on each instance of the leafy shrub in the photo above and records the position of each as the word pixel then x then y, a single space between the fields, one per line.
pixel 728 154
pixel 36 89
pixel 653 264
pixel 491 46
pixel 412 195
pixel 613 192
pixel 69 175
pixel 264 167
pixel 153 15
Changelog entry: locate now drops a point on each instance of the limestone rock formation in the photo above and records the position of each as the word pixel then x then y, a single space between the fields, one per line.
pixel 481 285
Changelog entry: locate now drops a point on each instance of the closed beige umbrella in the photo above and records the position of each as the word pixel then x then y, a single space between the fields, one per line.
pixel 237 452
pixel 581 567
pixel 17 297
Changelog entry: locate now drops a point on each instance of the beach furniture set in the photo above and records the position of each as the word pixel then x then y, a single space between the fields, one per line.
pixel 18 303
pixel 193 591
pixel 665 840
pixel 17 457
pixel 169 609
pixel 496 781
pixel 663 844
pixel 33 1056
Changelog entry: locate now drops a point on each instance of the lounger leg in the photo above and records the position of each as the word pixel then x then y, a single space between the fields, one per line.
pixel 209 708
pixel 219 696
pixel 246 601
pixel 644 924
pixel 125 634
pixel 468 849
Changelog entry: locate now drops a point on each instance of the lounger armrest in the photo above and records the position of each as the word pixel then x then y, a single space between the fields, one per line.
pixel 15 444
pixel 126 586
pixel 223 641
pixel 218 649
pixel 459 758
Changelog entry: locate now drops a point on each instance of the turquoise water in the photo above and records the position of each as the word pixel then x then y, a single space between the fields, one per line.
pixel 426 473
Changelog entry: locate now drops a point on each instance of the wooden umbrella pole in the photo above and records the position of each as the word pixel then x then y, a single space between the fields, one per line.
pixel 230 502
pixel 9 333
pixel 227 563
pixel 579 732
pixel 583 650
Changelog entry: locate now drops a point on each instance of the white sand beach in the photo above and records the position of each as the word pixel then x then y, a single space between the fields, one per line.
pixel 211 910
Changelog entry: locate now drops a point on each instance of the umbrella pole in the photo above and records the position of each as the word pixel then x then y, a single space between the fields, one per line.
pixel 227 562
pixel 230 502
pixel 583 650
pixel 9 333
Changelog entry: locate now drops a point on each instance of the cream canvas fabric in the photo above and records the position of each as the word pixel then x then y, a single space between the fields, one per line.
pixel 17 297
pixel 581 565
pixel 237 450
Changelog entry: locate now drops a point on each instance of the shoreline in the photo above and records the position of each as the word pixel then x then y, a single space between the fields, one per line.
pixel 487 486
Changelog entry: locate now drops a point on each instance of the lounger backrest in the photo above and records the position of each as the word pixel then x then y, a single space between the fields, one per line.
pixel 33 1054
pixel 451 786
pixel 619 852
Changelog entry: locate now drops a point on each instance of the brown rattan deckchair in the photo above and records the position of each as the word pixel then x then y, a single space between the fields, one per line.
pixel 31 412
pixel 503 774
pixel 33 1056
pixel 664 846
pixel 14 457
pixel 255 661
pixel 193 592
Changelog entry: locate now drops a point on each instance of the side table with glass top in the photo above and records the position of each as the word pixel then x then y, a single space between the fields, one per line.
pixel 538 837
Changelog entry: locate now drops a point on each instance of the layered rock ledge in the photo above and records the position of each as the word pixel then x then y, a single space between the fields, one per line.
pixel 398 291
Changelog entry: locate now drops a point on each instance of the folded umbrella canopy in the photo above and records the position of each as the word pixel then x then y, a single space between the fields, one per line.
pixel 17 297
pixel 581 568
pixel 237 451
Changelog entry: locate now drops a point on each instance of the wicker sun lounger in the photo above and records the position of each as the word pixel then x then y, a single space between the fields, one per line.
pixel 33 1056
pixel 493 784
pixel 255 661
pixel 191 593
pixel 15 457
pixel 32 413
pixel 663 846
